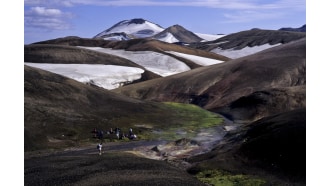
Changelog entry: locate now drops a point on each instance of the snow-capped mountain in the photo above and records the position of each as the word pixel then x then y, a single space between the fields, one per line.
pixel 141 28
pixel 137 28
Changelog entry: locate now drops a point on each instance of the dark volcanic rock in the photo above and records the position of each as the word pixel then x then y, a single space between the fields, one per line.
pixel 273 148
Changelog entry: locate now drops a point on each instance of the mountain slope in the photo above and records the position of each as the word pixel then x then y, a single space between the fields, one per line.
pixel 139 45
pixel 177 33
pixel 158 46
pixel 216 86
pixel 248 42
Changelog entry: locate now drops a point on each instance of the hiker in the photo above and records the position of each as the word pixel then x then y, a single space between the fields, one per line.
pixel 99 147
pixel 117 131
pixel 131 135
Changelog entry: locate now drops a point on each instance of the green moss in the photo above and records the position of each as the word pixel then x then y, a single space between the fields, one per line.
pixel 185 120
pixel 222 178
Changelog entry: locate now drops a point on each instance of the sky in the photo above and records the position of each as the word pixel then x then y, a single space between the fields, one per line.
pixel 50 19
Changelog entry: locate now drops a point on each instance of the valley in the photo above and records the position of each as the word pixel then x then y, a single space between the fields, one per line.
pixel 219 110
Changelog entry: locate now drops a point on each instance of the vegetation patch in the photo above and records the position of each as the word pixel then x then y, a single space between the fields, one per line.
pixel 217 178
pixel 186 121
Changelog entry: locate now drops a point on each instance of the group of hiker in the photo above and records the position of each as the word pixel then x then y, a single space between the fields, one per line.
pixel 100 134
pixel 117 133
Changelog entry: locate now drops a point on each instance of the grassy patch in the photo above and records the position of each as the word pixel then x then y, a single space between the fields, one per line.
pixel 186 121
pixel 222 178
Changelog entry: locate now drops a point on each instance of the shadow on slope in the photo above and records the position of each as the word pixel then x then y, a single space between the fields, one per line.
pixel 264 103
pixel 272 148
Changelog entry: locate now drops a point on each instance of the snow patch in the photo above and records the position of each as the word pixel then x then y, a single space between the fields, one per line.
pixel 209 37
pixel 106 76
pixel 158 63
pixel 168 37
pixel 231 53
pixel 204 61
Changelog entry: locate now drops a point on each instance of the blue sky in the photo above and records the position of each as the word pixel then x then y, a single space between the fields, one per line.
pixel 50 19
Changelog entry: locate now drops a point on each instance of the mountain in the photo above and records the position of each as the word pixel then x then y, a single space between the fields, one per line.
pixel 217 86
pixel 134 28
pixel 141 28
pixel 248 42
pixel 300 29
pixel 177 33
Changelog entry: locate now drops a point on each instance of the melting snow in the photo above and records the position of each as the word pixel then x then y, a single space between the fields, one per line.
pixel 204 61
pixel 209 37
pixel 169 38
pixel 158 63
pixel 231 53
pixel 106 76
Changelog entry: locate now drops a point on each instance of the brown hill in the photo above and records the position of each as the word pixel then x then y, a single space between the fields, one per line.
pixel 273 148
pixel 218 85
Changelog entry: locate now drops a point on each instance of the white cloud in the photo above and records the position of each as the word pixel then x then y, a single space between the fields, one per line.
pixel 42 11
pixel 47 18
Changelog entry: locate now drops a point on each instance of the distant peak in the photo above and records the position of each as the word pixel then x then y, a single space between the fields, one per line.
pixel 177 26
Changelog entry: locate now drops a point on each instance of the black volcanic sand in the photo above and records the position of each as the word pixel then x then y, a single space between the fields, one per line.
pixel 86 167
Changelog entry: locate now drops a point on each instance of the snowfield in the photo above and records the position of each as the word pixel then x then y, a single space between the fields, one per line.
pixel 106 76
pixel 158 63
pixel 204 61
pixel 231 53
pixel 169 38
pixel 209 37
